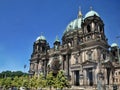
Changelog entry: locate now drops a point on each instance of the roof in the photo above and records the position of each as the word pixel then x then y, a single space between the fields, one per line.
pixel 91 13
pixel 73 25
pixel 114 45
pixel 41 37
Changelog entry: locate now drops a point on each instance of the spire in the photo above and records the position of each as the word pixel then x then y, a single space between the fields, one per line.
pixel 41 34
pixel 57 39
pixel 79 13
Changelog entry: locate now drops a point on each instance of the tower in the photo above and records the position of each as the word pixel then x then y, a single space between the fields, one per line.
pixel 56 43
pixel 38 64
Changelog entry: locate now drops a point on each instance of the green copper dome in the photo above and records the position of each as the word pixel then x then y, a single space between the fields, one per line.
pixel 91 13
pixel 73 25
pixel 114 45
pixel 41 37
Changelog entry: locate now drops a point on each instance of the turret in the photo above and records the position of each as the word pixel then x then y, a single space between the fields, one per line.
pixel 40 45
pixel 56 43
pixel 93 26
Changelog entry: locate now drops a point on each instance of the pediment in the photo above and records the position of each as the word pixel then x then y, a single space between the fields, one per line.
pixel 89 62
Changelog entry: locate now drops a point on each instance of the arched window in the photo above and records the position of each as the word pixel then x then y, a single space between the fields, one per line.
pixel 89 55
pixel 88 28
pixel 100 28
pixel 43 49
pixel 76 61
pixel 104 56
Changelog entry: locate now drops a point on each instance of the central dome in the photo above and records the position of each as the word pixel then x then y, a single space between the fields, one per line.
pixel 73 25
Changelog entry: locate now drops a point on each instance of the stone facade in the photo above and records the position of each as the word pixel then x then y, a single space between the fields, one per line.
pixel 84 55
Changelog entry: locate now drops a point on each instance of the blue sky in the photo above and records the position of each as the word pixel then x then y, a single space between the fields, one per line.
pixel 22 21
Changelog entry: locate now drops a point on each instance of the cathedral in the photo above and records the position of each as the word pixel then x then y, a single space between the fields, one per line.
pixel 84 53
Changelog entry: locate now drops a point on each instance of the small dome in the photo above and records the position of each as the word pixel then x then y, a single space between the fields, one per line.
pixel 91 13
pixel 41 37
pixel 75 24
pixel 114 45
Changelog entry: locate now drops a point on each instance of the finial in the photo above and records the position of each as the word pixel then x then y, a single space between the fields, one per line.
pixel 79 8
pixel 79 12
pixel 91 8
pixel 41 33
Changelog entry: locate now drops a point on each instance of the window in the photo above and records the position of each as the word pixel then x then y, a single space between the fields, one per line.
pixel 88 37
pixel 56 47
pixel 43 49
pixel 104 56
pixel 100 28
pixel 119 72
pixel 88 28
pixel 76 61
pixel 89 56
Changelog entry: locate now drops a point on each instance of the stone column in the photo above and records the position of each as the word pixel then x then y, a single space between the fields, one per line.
pixel 95 76
pixel 61 61
pixel 67 65
pixel 36 67
pixel 93 72
pixel 111 79
pixel 81 78
pixel 73 78
pixel 85 77
pixel 45 68
pixel 67 68
pixel 105 75
pixel 75 41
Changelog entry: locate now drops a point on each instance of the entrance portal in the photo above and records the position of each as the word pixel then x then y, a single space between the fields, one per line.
pixel 90 76
pixel 77 78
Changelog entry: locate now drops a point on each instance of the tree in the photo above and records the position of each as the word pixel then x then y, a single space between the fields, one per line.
pixel 61 80
pixel 50 80
pixel 1 82
pixel 33 82
pixel 41 81
pixel 5 74
pixel 7 82
pixel 25 82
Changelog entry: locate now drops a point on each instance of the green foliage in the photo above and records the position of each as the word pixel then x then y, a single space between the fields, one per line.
pixel 33 82
pixel 7 82
pixel 61 80
pixel 41 81
pixel 5 74
pixel 15 81
pixel 25 82
pixel 50 80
